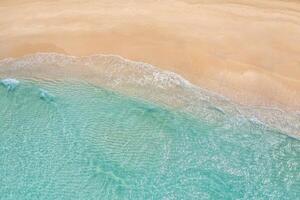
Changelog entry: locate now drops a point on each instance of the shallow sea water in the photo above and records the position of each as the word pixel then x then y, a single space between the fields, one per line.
pixel 71 139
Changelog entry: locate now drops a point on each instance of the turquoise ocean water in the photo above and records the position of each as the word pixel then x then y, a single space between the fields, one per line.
pixel 74 139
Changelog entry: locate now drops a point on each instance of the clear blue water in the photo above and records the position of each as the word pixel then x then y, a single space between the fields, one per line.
pixel 74 140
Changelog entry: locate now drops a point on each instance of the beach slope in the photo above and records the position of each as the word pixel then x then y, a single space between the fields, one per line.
pixel 245 50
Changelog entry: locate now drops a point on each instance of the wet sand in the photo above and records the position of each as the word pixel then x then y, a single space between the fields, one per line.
pixel 245 50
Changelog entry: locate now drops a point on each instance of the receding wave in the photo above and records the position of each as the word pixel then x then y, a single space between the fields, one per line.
pixel 148 82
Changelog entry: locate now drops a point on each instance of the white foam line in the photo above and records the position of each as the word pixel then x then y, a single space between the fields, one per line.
pixel 157 74
pixel 144 65
pixel 148 66
pixel 135 63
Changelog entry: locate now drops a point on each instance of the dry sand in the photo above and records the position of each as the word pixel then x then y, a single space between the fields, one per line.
pixel 248 50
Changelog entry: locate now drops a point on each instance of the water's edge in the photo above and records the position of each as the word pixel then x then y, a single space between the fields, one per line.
pixel 147 82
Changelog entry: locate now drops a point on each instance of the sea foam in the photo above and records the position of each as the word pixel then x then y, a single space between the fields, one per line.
pixel 10 83
pixel 145 81
pixel 45 95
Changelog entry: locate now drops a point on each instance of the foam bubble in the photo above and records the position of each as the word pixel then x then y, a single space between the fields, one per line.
pixel 10 83
pixel 45 95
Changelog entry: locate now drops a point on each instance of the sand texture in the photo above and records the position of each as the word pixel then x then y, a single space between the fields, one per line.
pixel 247 50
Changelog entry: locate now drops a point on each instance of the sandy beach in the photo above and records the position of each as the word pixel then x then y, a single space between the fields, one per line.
pixel 245 50
pixel 149 99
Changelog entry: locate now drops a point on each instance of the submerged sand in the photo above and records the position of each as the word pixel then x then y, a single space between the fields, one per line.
pixel 245 50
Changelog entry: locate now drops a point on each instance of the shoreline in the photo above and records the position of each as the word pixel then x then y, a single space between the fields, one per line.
pixel 145 81
pixel 236 50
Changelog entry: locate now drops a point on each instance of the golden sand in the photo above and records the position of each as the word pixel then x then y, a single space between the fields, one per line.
pixel 247 50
